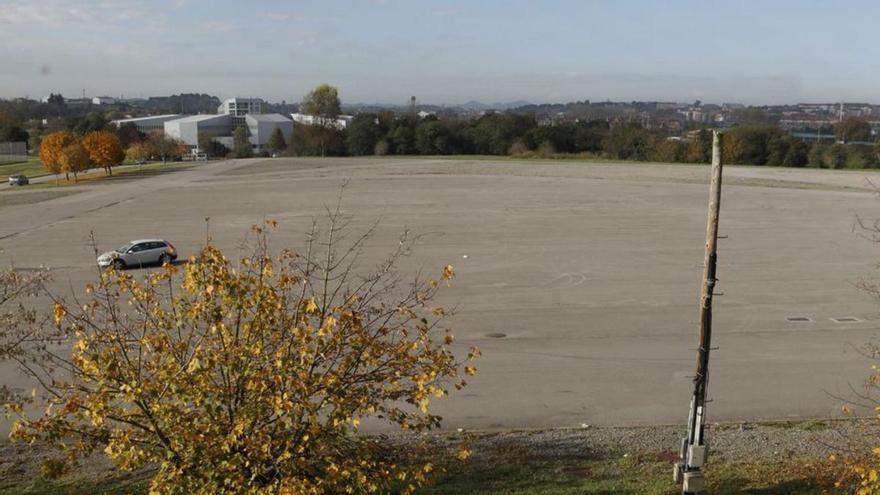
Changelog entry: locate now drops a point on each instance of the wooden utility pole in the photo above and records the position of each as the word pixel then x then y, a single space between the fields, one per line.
pixel 694 449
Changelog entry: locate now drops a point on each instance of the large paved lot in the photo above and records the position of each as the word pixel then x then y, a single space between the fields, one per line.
pixel 591 271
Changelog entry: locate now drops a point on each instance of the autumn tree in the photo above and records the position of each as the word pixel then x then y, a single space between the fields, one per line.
pixel 852 129
pixel 138 153
pixel 164 146
pixel 253 376
pixel 276 141
pixel 104 149
pixel 50 150
pixel 74 159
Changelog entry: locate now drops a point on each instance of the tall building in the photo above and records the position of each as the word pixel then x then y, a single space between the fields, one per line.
pixel 239 107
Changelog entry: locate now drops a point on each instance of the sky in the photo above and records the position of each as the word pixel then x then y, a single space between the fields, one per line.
pixel 445 51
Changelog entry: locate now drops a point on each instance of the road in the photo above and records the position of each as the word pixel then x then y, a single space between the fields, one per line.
pixel 580 281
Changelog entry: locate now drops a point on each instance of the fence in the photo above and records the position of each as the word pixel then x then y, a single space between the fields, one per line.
pixel 13 152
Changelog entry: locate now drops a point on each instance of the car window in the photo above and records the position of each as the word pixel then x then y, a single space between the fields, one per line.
pixel 123 248
pixel 139 247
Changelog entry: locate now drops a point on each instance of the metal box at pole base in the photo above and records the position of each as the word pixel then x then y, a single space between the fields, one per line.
pixel 693 482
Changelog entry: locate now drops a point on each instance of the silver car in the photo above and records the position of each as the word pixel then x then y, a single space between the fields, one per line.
pixel 18 180
pixel 139 253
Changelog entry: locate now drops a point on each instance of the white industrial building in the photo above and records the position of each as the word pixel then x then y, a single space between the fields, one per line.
pixel 340 122
pixel 233 113
pixel 188 129
pixel 261 127
pixel 239 107
pixel 148 124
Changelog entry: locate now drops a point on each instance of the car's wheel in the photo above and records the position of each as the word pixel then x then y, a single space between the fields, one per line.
pixel 118 264
pixel 164 258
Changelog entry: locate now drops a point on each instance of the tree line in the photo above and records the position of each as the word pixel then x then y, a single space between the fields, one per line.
pixel 516 134
pixel 522 136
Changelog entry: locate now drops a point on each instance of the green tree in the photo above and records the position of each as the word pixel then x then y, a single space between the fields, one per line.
pixel 403 137
pixel 852 129
pixel 629 141
pixel 209 145
pixel 241 143
pixel 433 138
pixel 317 140
pixel 816 156
pixel 494 133
pixel 128 134
pixel 322 102
pixel 276 142
pixel 363 134
pixel 13 133
pixel 837 156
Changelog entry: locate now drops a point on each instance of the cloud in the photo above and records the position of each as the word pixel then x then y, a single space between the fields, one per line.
pixel 57 13
pixel 283 16
pixel 447 12
pixel 220 26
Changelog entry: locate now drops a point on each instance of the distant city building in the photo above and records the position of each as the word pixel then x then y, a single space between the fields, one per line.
pixel 148 124
pixel 103 100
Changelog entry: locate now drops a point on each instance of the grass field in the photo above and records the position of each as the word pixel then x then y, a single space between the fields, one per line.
pixel 504 473
pixel 32 167
pixel 99 175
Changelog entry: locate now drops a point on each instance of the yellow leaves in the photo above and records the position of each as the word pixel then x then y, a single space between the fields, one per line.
pixel 194 365
pixel 463 454
pixel 474 352
pixel 470 370
pixel 327 327
pixel 58 313
pixel 311 307
pixel 242 368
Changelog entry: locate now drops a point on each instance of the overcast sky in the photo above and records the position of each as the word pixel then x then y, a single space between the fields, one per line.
pixel 445 52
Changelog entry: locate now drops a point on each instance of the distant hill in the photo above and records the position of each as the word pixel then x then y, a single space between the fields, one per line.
pixel 476 106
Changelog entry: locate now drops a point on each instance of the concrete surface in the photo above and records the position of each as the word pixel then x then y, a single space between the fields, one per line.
pixel 592 271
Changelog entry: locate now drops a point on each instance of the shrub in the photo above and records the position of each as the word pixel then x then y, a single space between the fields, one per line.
pixel 252 376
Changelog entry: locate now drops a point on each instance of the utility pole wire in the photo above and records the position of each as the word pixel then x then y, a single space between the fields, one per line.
pixel 688 471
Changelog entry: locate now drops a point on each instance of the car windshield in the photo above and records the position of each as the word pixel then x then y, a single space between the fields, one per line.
pixel 123 248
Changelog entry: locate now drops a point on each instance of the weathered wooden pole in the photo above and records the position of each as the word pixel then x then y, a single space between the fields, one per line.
pixel 688 470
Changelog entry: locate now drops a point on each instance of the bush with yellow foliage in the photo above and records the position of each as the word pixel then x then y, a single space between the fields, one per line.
pixel 252 376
